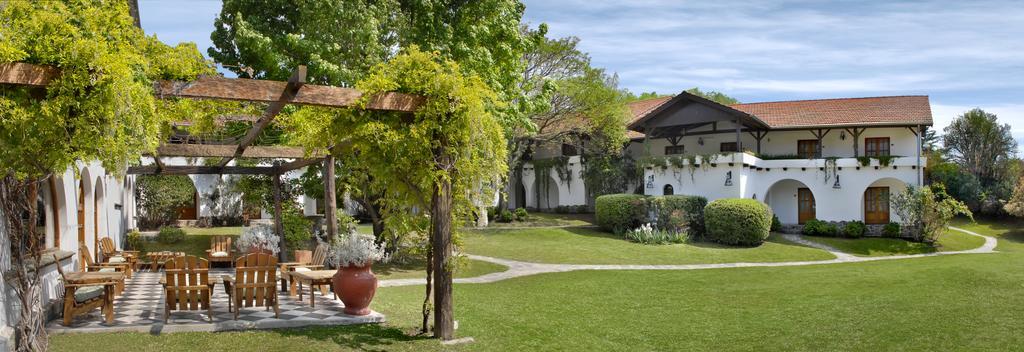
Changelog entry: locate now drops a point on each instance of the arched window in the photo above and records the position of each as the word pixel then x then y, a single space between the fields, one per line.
pixel 668 191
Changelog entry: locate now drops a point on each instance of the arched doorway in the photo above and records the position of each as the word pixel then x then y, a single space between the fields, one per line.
pixel 792 201
pixel 81 212
pixel 875 200
pixel 549 198
pixel 667 190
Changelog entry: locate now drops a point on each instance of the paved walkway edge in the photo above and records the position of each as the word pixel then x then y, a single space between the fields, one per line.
pixel 520 269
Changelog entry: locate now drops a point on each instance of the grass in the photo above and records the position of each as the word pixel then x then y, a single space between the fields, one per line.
pixel 196 242
pixel 946 303
pixel 879 247
pixel 547 220
pixel 415 270
pixel 577 245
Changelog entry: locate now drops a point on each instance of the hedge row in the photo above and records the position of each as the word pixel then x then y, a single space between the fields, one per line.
pixel 622 212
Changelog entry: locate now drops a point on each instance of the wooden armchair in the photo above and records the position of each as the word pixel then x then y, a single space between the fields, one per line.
pixel 82 298
pixel 220 250
pixel 187 285
pixel 316 263
pixel 254 283
pixel 112 255
pixel 89 265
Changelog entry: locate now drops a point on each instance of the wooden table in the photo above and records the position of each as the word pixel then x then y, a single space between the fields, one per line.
pixel 287 284
pixel 313 278
pixel 108 279
pixel 157 259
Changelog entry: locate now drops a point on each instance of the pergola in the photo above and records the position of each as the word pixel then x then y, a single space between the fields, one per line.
pixel 276 93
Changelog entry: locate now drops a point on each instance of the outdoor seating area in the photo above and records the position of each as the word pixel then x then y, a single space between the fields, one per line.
pixel 182 294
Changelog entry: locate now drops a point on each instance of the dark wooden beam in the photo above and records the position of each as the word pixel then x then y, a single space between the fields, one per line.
pixel 297 164
pixel 240 89
pixel 278 226
pixel 330 199
pixel 201 170
pixel 293 86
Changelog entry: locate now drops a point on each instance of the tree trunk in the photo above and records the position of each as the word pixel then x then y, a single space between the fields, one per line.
pixel 426 297
pixel 278 226
pixel 441 245
pixel 16 198
pixel 330 199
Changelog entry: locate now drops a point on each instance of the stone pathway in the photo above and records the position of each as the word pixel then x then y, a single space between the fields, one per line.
pixel 519 269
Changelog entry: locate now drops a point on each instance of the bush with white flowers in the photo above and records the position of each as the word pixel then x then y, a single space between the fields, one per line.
pixel 258 236
pixel 648 234
pixel 356 249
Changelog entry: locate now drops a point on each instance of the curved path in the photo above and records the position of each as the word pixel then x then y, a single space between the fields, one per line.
pixel 518 268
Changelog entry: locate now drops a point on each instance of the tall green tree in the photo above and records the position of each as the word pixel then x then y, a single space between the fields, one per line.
pixel 100 108
pixel 980 145
pixel 714 96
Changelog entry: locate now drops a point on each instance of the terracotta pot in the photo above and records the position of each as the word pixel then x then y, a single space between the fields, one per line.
pixel 355 285
pixel 303 256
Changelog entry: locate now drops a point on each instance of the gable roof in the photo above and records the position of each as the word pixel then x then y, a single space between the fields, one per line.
pixel 882 111
pixel 687 98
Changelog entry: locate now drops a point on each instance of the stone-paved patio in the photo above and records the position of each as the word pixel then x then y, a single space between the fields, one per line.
pixel 141 309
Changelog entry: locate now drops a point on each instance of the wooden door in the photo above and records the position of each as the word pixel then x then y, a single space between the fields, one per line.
pixel 807 148
pixel 805 205
pixel 190 211
pixel 876 205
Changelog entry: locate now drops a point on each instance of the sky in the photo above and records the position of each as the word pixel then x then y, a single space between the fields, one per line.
pixel 963 54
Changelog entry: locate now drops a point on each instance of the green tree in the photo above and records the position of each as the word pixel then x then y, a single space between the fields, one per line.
pixel 1015 205
pixel 100 108
pixel 926 211
pixel 644 96
pixel 714 96
pixel 160 197
pixel 980 145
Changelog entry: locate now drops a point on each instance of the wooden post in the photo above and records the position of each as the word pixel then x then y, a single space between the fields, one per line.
pixel 441 246
pixel 330 199
pixel 855 133
pixel 278 226
pixel 739 145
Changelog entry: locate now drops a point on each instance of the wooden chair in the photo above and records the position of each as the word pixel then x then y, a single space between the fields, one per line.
pixel 315 263
pixel 86 258
pixel 112 255
pixel 254 283
pixel 187 285
pixel 220 250
pixel 83 298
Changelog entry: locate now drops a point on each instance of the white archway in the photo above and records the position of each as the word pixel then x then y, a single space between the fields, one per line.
pixel 783 197
pixel 549 193
pixel 874 204
pixel 100 223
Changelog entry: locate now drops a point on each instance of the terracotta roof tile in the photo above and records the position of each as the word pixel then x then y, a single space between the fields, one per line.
pixel 906 110
pixel 640 108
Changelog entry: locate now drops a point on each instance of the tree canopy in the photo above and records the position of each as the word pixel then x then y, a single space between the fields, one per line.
pixel 979 144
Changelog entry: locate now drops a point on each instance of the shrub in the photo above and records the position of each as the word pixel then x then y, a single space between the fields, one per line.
pixel 776 224
pixel 492 213
pixel 619 212
pixel 521 214
pixel 891 229
pixel 738 221
pixel 170 235
pixel 134 241
pixel 854 229
pixel 298 230
pixel 506 216
pixel 647 234
pixel 671 210
pixel 815 227
pixel 581 209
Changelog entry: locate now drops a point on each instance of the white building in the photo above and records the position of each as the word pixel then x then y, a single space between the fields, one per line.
pixel 799 157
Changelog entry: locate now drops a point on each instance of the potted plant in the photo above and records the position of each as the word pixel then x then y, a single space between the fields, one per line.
pixel 355 282
pixel 259 238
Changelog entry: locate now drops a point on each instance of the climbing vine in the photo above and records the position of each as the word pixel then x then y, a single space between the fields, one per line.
pixel 830 169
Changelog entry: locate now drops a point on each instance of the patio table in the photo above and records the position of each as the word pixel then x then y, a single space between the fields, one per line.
pixel 313 278
pixel 283 270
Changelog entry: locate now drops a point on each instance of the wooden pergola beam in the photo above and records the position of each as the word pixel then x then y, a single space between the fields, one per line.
pixel 215 150
pixel 240 89
pixel 201 170
pixel 291 88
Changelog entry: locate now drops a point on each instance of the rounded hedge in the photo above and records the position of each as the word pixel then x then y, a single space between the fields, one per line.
pixel 738 221
pixel 620 212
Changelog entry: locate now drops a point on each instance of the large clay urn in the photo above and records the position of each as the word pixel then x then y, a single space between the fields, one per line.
pixel 355 285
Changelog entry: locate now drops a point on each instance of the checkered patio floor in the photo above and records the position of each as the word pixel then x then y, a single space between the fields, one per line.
pixel 141 308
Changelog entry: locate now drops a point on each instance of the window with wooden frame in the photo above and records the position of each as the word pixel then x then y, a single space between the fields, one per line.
pixel 807 149
pixel 728 147
pixel 674 149
pixel 878 146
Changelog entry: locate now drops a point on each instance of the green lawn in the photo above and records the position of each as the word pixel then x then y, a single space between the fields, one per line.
pixel 196 242
pixel 945 303
pixel 412 270
pixel 880 247
pixel 547 220
pixel 591 246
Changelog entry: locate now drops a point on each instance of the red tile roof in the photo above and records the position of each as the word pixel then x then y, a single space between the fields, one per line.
pixel 639 109
pixel 894 110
